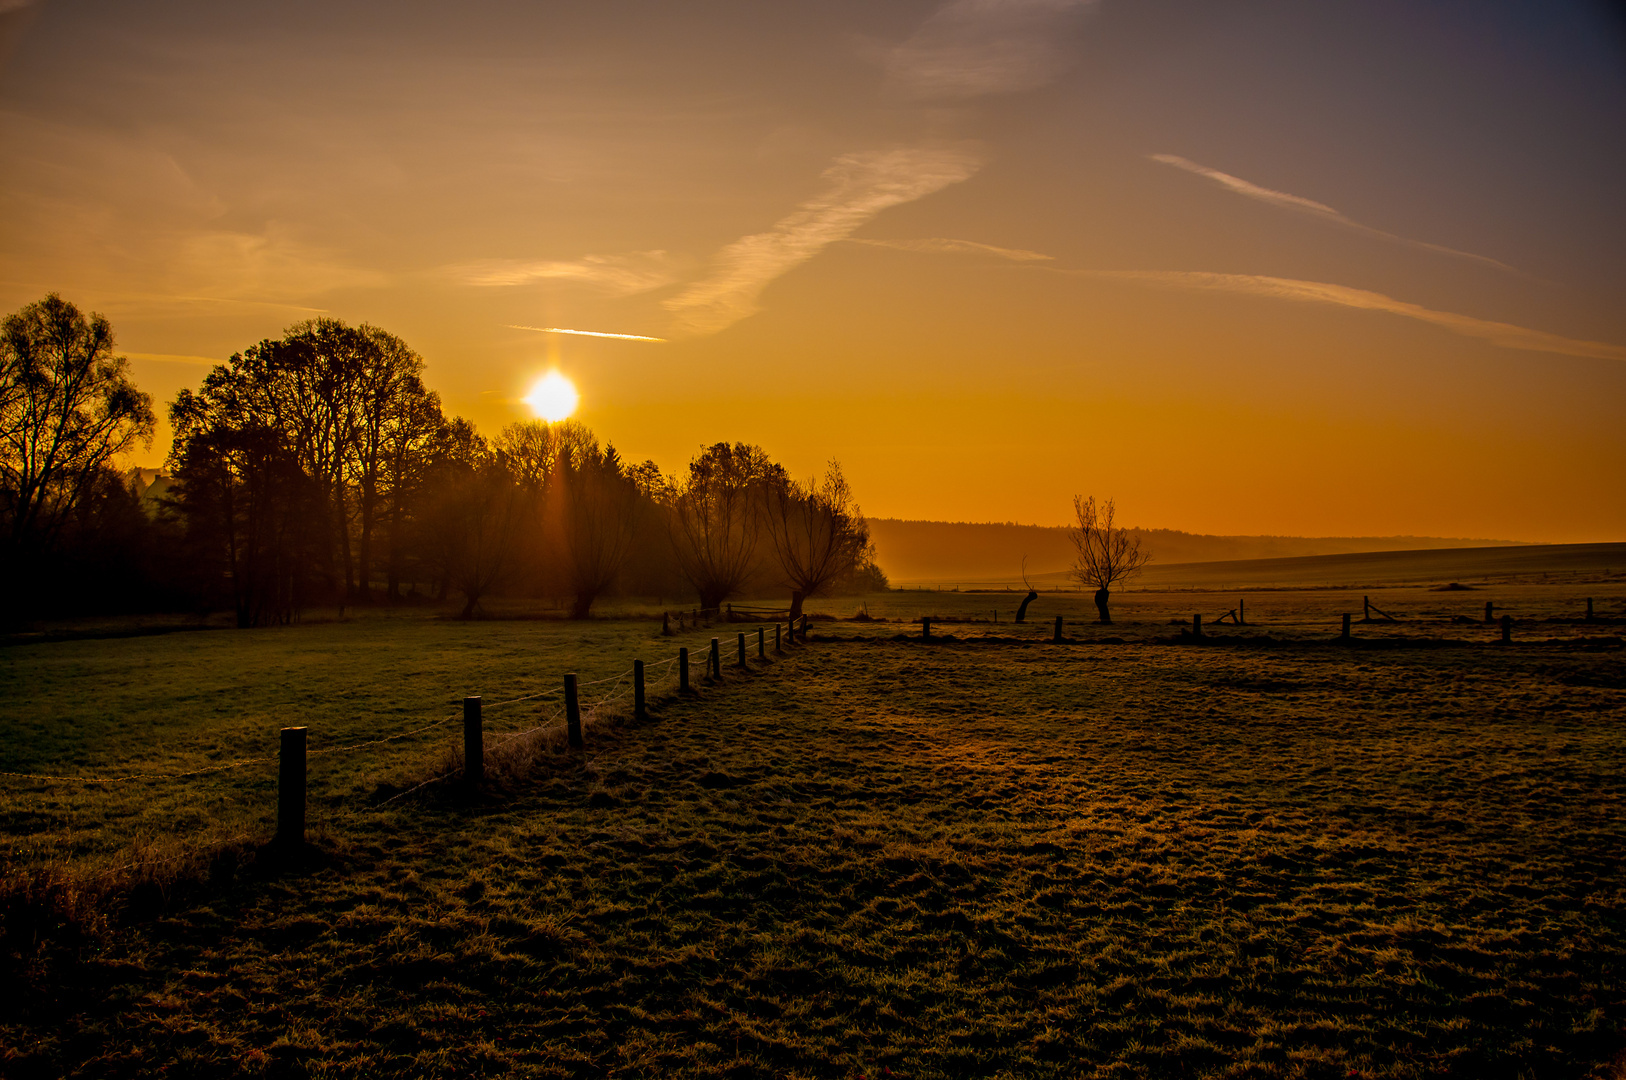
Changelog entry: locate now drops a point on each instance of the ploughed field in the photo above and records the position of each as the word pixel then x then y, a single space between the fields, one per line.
pixel 990 855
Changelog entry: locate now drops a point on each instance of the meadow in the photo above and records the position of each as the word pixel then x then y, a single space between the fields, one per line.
pixel 1129 855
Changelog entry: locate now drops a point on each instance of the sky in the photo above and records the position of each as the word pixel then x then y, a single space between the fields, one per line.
pixel 1343 268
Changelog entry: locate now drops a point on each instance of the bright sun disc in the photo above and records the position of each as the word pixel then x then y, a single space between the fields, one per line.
pixel 553 398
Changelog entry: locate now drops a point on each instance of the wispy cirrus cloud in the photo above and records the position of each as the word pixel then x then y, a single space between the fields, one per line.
pixel 974 48
pixel 1315 209
pixel 938 245
pixel 857 187
pixel 1505 335
pixel 620 275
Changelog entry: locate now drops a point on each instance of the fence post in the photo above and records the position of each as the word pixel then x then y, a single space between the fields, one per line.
pixel 1057 636
pixel 777 650
pixel 1242 613
pixel 716 660
pixel 666 624
pixel 573 712
pixel 1507 628
pixel 1345 634
pixel 804 627
pixel 1196 626
pixel 1366 609
pixel 474 743
pixel 1488 607
pixel 925 628
pixel 291 788
pixel 638 711
pixel 683 670
pixel 1589 617
pixel 742 649
pixel 762 645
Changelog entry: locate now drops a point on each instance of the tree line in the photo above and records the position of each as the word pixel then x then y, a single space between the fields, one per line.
pixel 317 469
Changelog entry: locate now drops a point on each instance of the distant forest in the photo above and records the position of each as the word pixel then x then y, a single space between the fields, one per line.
pixel 317 470
pixel 951 552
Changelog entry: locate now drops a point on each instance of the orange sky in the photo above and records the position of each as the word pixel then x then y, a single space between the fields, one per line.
pixel 1333 269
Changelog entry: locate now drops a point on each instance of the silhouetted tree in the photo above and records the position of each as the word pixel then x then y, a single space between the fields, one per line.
pixel 715 518
pixel 1033 594
pixel 818 533
pixel 250 509
pixel 473 517
pixel 596 509
pixel 67 408
pixel 1106 553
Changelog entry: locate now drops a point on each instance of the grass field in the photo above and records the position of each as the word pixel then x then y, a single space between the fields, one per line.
pixel 987 856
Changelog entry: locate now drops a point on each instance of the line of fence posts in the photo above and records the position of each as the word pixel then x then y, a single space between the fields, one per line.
pixel 294 743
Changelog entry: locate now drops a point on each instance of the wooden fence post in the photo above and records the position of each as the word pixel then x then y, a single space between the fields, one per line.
pixel 1242 613
pixel 777 650
pixel 804 627
pixel 573 712
pixel 638 711
pixel 1366 609
pixel 1589 617
pixel 1057 637
pixel 925 628
pixel 742 649
pixel 683 670
pixel 762 645
pixel 1345 634
pixel 1197 626
pixel 716 660
pixel 291 788
pixel 1507 628
pixel 1488 607
pixel 666 624
pixel 474 743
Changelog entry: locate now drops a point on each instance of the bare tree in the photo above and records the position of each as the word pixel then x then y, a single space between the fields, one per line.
pixel 818 533
pixel 67 408
pixel 1106 553
pixel 1033 594
pixel 595 508
pixel 714 520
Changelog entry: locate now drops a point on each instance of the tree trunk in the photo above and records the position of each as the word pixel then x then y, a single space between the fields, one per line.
pixel 471 607
pixel 364 568
pixel 1101 598
pixel 796 604
pixel 581 604
pixel 1022 612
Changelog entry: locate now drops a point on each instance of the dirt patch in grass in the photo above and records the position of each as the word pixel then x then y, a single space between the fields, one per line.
pixel 872 857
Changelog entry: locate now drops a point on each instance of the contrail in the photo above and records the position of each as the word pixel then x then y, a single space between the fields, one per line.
pixel 1316 209
pixel 584 333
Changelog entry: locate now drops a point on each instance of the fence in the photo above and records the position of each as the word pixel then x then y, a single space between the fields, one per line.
pixel 293 754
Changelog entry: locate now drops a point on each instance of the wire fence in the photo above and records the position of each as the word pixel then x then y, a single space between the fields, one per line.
pixel 641 680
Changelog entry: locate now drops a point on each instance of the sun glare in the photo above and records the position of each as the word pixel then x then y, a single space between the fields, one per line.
pixel 553 398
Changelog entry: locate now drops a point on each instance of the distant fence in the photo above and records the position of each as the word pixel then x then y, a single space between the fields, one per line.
pixel 293 753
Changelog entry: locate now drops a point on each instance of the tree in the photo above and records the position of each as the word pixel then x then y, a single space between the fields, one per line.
pixel 1033 594
pixel 818 533
pixel 714 520
pixel 252 513
pixel 1106 553
pixel 67 408
pixel 595 508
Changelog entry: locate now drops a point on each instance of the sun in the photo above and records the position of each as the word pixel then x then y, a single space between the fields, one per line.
pixel 553 398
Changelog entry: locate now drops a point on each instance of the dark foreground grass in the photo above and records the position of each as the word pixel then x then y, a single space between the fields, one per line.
pixel 877 858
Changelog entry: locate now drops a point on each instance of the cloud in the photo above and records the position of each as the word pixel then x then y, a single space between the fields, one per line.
pixel 621 275
pixel 586 333
pixel 1314 209
pixel 858 186
pixel 974 48
pixel 938 245
pixel 1505 335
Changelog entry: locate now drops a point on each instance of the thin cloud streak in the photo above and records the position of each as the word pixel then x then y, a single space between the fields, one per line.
pixel 620 275
pixel 1505 335
pixel 585 333
pixel 858 186
pixel 974 48
pixel 1315 209
pixel 937 245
